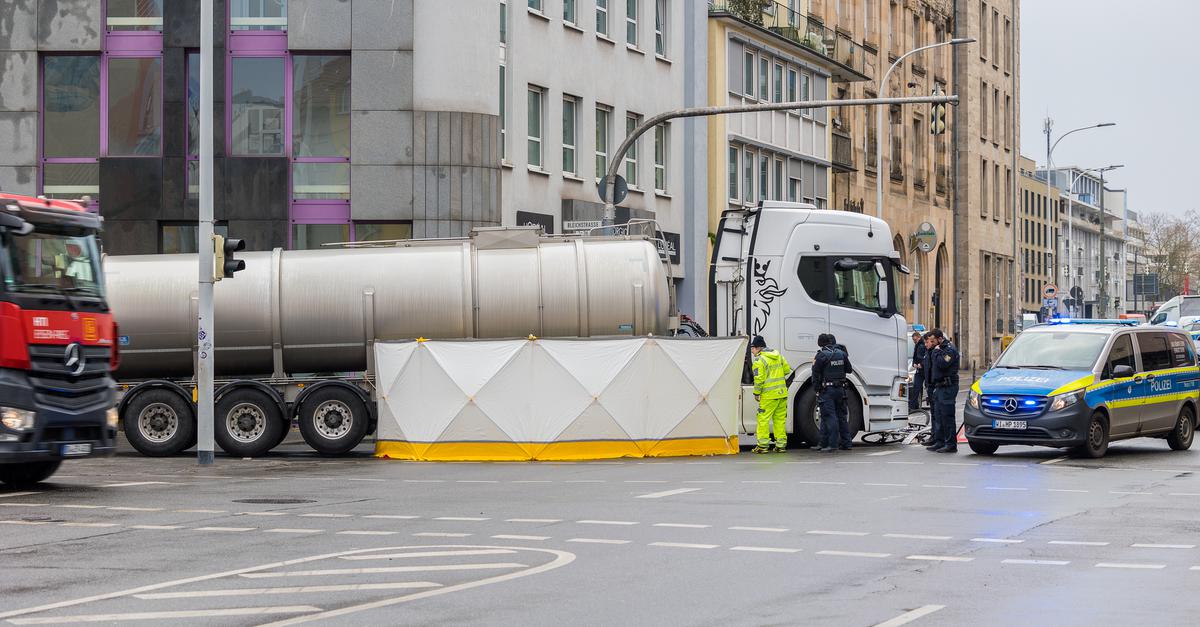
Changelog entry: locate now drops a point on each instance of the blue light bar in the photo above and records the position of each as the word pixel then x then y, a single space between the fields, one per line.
pixel 1127 323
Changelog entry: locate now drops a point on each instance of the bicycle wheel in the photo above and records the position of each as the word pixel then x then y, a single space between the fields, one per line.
pixel 877 438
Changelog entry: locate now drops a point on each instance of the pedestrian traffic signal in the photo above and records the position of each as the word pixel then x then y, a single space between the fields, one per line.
pixel 224 263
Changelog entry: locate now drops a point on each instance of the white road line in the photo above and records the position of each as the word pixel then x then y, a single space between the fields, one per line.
pixel 80 506
pixel 770 529
pixel 665 493
pixel 1131 493
pixel 24 522
pixel 381 570
pixel 598 541
pixel 162 616
pixel 909 463
pixel 201 511
pixel 261 514
pixel 957 464
pixel 134 483
pixel 156 527
pixel 606 522
pixel 533 481
pixel 684 545
pixel 477 481
pixel 584 481
pixel 1077 543
pixel 24 505
pixel 533 520
pixel 360 479
pixel 224 529
pixel 440 534
pixel 763 549
pixel 643 481
pixel 326 516
pixel 706 481
pixel 1163 546
pixel 854 554
pixel 512 537
pixel 762 481
pixel 940 558
pixel 820 482
pixel 956 487
pixel 16 494
pixel 995 487
pixel 462 518
pixel 245 592
pixel 1055 460
pixel 911 536
pixel 681 525
pixel 822 532
pixel 135 509
pixel 1062 490
pixel 997 540
pixel 887 485
pixel 424 481
pixel 1184 494
pixel 855 462
pixel 293 530
pixel 882 453
pixel 908 617
pixel 1010 465
pixel 1037 562
pixel 1133 566
pixel 366 533
pixel 392 556
pixel 391 517
pixel 84 524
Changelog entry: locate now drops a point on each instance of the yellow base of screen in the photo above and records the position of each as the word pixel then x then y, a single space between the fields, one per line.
pixel 553 451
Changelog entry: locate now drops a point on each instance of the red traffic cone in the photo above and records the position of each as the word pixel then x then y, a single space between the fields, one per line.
pixel 962 435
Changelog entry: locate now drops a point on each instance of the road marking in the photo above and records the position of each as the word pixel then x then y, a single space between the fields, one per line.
pixel 1010 465
pixel 1134 566
pixel 584 481
pixel 1037 562
pixel 358 479
pixel 908 617
pixel 770 529
pixel 1062 490
pixel 909 463
pixel 598 541
pixel 993 487
pixel 1077 543
pixel 853 554
pixel 997 540
pixel 16 494
pixel 326 516
pixel 533 481
pixel 606 522
pixel 762 481
pixel 261 514
pixel 293 530
pixel 156 527
pixel 512 537
pixel 424 481
pixel 681 525
pixel 763 549
pixel 822 532
pixel 440 534
pixel 135 509
pixel 366 533
pixel 956 487
pixel 243 592
pixel 24 522
pixel 382 569
pixel 1163 546
pixel 706 481
pixel 462 518
pixel 1184 494
pixel 134 483
pixel 201 511
pixel 533 520
pixel 911 536
pixel 477 481
pixel 392 556
pixel 80 506
pixel 957 464
pixel 820 482
pixel 1132 493
pixel 85 524
pixel 24 505
pixel 882 453
pixel 391 517
pixel 684 545
pixel 175 614
pixel 224 529
pixel 665 493
pixel 1055 460
pixel 888 485
pixel 643 481
pixel 940 558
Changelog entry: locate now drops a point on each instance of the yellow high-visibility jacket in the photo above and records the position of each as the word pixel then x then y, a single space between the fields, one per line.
pixel 771 371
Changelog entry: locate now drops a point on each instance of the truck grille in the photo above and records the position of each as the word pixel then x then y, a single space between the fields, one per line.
pixel 56 385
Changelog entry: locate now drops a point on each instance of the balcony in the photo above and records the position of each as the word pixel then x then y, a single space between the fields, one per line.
pixel 798 29
pixel 843 152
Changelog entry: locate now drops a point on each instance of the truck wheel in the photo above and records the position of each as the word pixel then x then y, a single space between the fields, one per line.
pixel 248 423
pixel 1180 438
pixel 333 420
pixel 159 423
pixel 804 419
pixel 27 474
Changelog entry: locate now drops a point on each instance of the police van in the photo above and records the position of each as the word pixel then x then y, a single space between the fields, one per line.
pixel 1082 384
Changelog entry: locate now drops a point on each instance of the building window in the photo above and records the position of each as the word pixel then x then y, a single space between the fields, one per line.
pixel 314 236
pixel 632 120
pixel 778 179
pixel 320 106
pixel 661 12
pixel 791 85
pixel 983 110
pixel 983 31
pixel 661 138
pixel 71 108
pixel 503 118
pixel 257 90
pixel 132 15
pixel 382 231
pixel 258 14
pixel 70 181
pixel 996 115
pixel 537 98
pixel 320 180
pixel 569 11
pixel 995 37
pixel 983 194
pixel 764 77
pixel 749 71
pixel 134 107
pixel 778 82
pixel 603 121
pixel 748 176
pixel 569 125
pixel 734 152
pixel 805 93
pixel 631 20
pixel 764 168
pixel 536 5
pixel 183 237
pixel 602 18
pixel 793 189
pixel 503 22
pixel 896 129
pixel 1008 47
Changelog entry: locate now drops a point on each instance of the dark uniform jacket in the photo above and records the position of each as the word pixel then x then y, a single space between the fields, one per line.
pixel 831 365
pixel 918 357
pixel 943 364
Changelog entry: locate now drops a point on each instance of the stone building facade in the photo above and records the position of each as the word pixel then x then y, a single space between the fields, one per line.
pixel 1038 238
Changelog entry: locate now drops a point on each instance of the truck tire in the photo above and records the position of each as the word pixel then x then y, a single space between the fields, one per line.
pixel 804 421
pixel 159 423
pixel 248 423
pixel 333 420
pixel 28 473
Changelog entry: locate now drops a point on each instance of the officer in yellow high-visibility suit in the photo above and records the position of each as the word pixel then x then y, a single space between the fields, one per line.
pixel 771 372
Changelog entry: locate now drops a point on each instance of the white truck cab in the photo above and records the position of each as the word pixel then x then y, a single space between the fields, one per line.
pixel 789 272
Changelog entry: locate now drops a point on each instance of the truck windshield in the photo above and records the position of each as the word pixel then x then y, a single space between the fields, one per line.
pixel 859 288
pixel 51 262
pixel 1063 351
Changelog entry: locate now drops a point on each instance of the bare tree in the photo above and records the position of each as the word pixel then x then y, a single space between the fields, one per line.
pixel 1173 250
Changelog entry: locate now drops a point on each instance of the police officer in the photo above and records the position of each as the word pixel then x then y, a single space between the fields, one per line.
pixel 829 372
pixel 918 383
pixel 771 372
pixel 943 376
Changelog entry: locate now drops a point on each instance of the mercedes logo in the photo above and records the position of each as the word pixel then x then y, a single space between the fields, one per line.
pixel 1010 405
pixel 73 359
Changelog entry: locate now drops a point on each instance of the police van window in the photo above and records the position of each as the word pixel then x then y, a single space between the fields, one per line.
pixel 1181 351
pixel 1121 354
pixel 1156 354
pixel 813 278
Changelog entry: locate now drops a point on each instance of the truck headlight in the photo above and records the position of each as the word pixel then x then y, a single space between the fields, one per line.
pixel 1063 401
pixel 16 419
pixel 973 399
pixel 113 417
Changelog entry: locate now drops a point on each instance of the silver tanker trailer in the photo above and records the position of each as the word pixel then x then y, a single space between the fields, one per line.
pixel 295 330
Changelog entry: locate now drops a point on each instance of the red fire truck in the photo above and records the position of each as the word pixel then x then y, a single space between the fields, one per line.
pixel 58 343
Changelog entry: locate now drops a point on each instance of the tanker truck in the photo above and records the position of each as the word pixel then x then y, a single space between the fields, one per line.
pixel 295 330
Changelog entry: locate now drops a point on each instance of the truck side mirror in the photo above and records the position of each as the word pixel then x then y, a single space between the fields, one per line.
pixel 1122 371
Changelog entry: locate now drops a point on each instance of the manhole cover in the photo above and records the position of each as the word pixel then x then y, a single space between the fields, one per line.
pixel 274 501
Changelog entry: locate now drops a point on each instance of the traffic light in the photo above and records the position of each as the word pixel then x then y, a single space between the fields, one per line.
pixel 224 263
pixel 937 116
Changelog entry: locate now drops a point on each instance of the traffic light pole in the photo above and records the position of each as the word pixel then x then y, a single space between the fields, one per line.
pixel 205 340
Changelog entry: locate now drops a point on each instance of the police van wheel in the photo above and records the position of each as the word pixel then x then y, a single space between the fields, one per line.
pixel 1096 444
pixel 1180 438
pixel 983 448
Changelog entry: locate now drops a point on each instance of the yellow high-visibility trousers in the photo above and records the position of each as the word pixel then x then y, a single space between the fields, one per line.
pixel 772 414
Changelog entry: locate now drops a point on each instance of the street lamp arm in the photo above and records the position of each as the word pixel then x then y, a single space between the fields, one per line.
pixel 1082 128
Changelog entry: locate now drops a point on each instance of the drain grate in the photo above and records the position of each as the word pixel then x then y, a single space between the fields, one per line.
pixel 274 501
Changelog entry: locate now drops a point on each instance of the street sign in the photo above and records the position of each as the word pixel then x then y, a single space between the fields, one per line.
pixel 1050 303
pixel 1077 293
pixel 620 191
pixel 925 237
pixel 1050 291
pixel 575 226
pixel 1145 284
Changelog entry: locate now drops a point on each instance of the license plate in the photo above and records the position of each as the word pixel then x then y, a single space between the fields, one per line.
pixel 73 450
pixel 1009 424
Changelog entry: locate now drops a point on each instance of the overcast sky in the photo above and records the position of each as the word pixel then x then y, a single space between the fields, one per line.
pixel 1090 61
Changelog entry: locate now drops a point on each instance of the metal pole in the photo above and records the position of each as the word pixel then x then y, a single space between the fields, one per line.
pixel 205 329
pixel 614 166
pixel 1103 260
